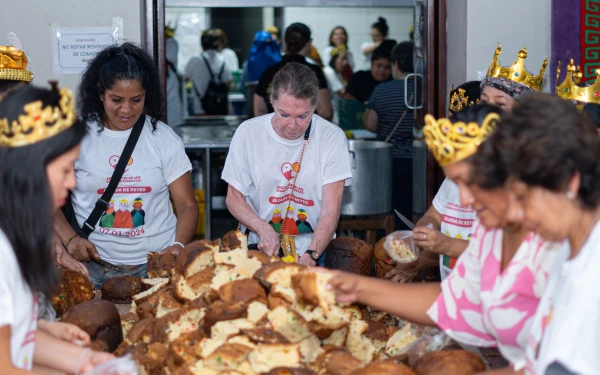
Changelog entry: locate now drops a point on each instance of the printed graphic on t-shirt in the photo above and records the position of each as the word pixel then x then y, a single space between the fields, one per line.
pixel 295 220
pixel 28 345
pixel 456 224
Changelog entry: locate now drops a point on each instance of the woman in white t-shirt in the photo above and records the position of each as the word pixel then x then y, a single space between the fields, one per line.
pixel 553 153
pixel 335 73
pixel 379 32
pixel 120 85
pixel 37 151
pixel 338 38
pixel 287 170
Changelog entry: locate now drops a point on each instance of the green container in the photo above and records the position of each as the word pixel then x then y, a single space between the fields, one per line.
pixel 235 81
pixel 350 114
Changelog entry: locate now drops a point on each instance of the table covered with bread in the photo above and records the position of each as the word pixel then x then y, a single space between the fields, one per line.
pixel 219 308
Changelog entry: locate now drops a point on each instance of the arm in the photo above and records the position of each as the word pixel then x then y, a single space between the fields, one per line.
pixel 260 106
pixel 64 331
pixel 328 220
pixel 241 210
pixel 187 211
pixel 79 248
pixel 386 296
pixel 324 108
pixel 371 120
pixel 5 360
pixel 369 49
pixel 435 241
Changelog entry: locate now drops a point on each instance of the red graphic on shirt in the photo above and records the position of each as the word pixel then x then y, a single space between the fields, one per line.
pixel 464 223
pixel 295 199
pixel 113 160
pixel 289 170
pixel 129 190
pixel 289 224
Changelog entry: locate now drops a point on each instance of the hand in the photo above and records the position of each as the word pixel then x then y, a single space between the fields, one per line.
pixel 65 331
pixel 58 249
pixel 403 272
pixel 69 263
pixel 268 240
pixel 173 249
pixel 430 239
pixel 82 249
pixel 306 259
pixel 347 286
pixel 91 359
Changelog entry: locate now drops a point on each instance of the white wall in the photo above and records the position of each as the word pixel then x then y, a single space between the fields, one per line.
pixel 514 23
pixel 31 19
pixel 357 22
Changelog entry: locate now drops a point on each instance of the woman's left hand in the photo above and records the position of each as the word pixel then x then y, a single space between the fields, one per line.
pixel 92 359
pixel 306 259
pixel 63 258
pixel 173 249
pixel 65 331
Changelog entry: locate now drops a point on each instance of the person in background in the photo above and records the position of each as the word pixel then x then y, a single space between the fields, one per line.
pixel 552 154
pixel 37 172
pixel 174 81
pixel 118 87
pixel 297 43
pixel 337 38
pixel 335 74
pixel 314 57
pixel 275 34
pixel 363 83
pixel 463 96
pixel 230 56
pixel 263 53
pixel 199 68
pixel 386 107
pixel 379 32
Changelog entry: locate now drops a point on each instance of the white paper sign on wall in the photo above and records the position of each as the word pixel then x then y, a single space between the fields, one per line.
pixel 74 47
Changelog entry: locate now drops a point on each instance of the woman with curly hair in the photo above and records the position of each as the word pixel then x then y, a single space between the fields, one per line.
pixel 120 85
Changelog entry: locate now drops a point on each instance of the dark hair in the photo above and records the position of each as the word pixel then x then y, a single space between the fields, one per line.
pixel 384 51
pixel 26 204
pixel 544 142
pixel 472 91
pixel 381 26
pixel 123 62
pixel 296 37
pixel 593 111
pixel 334 59
pixel 224 42
pixel 297 80
pixel 331 35
pixel 402 54
pixel 210 39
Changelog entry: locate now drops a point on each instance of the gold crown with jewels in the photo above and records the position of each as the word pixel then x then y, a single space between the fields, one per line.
pixel 452 142
pixel 458 100
pixel 13 65
pixel 517 72
pixel 569 89
pixel 37 123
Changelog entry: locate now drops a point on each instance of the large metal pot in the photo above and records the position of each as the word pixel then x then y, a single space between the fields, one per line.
pixel 371 189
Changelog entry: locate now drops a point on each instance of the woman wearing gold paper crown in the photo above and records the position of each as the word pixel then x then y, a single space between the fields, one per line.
pixel 39 141
pixel 491 296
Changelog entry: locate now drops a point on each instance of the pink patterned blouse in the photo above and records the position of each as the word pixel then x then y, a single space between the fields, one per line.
pixel 481 306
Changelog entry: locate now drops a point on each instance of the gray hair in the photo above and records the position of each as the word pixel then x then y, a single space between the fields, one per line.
pixel 296 80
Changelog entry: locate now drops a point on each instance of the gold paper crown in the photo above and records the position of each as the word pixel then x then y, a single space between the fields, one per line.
pixel 338 49
pixel 169 31
pixel 38 123
pixel 517 72
pixel 452 142
pixel 458 100
pixel 569 89
pixel 13 65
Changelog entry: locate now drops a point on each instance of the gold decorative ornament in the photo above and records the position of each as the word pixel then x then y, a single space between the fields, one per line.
pixel 452 142
pixel 169 31
pixel 338 49
pixel 38 123
pixel 458 100
pixel 517 72
pixel 569 89
pixel 13 65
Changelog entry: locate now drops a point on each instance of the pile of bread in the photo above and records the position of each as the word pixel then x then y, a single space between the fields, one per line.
pixel 219 308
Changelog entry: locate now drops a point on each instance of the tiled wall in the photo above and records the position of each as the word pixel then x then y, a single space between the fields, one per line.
pixel 356 20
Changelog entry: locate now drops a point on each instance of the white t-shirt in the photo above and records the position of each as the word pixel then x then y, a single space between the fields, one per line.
pixel 566 327
pixel 140 218
pixel 456 219
pixel 326 57
pixel 335 83
pixel 367 57
pixel 197 70
pixel 231 58
pixel 260 165
pixel 18 307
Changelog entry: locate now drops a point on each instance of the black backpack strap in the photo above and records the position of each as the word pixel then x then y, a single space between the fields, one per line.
pixel 221 72
pixel 102 203
pixel 212 76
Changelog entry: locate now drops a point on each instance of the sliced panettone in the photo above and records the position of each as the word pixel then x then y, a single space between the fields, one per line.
pixel 243 340
pixel 166 302
pixel 377 333
pixel 189 289
pixel 265 336
pixel 232 257
pixel 160 265
pixel 223 311
pixel 200 368
pixel 385 368
pixel 359 346
pixel 311 288
pixel 246 368
pixel 278 273
pixel 383 262
pixel 155 286
pixel 337 337
pixel 156 358
pixel 355 311
pixel 256 311
pixel 266 357
pixel 341 363
pixel 280 295
pixel 234 240
pixel 289 323
pixel 222 331
pixel 227 357
pixel 188 256
pixel 449 362
pixel 244 270
pixel 400 341
pixel 333 319
pixel 189 321
pixel 198 260
pixel 185 348
pixel 310 349
pixel 142 331
pixel 260 256
pixel 146 309
pixel 244 291
pixel 75 288
pixel 127 321
pixel 291 371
